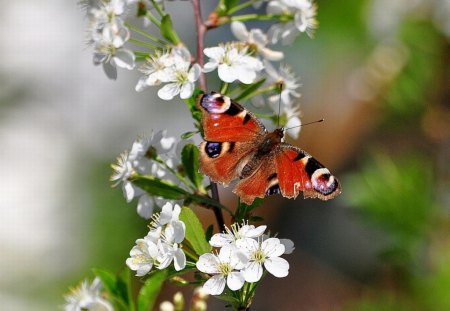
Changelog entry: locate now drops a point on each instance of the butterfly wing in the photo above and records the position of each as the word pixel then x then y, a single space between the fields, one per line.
pixel 231 133
pixel 224 120
pixel 288 170
pixel 298 171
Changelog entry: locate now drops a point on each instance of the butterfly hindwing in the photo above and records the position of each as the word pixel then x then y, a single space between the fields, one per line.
pixel 224 120
pixel 223 161
pixel 263 182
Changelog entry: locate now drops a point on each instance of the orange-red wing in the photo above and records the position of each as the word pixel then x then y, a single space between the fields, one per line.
pixel 221 161
pixel 260 184
pixel 298 171
pixel 224 120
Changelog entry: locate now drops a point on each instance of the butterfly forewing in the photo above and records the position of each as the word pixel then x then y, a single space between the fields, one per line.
pixel 224 120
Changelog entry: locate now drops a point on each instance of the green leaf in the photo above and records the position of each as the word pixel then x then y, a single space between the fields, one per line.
pixel 189 158
pixel 108 279
pixel 150 290
pixel 157 187
pixel 243 211
pixel 194 231
pixel 249 90
pixel 123 287
pixel 117 288
pixel 209 232
pixel 167 30
pixel 188 135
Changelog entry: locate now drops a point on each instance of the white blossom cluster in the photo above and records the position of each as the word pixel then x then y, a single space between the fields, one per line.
pixel 87 297
pixel 141 160
pixel 244 253
pixel 108 34
pixel 304 19
pixel 161 246
pixel 172 68
pixel 258 40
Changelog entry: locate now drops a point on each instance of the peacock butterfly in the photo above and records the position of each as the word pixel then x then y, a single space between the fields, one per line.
pixel 237 146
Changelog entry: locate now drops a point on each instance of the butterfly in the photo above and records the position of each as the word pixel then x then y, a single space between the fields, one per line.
pixel 238 146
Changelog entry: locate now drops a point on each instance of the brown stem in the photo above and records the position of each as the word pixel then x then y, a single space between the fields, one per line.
pixel 201 30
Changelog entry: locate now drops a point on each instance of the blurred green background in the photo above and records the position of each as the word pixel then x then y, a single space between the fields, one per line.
pixel 378 71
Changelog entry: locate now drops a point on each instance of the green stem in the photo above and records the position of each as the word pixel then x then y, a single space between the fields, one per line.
pixel 257 17
pixel 186 182
pixel 224 88
pixel 158 8
pixel 241 6
pixel 153 19
pixel 146 34
pixel 144 44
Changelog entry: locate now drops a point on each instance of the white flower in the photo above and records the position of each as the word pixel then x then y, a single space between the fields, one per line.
pixel 233 63
pixel 288 246
pixel 263 253
pixel 225 270
pixel 87 297
pixel 237 232
pixel 169 215
pixel 143 256
pixel 169 246
pixel 303 12
pixel 174 68
pixel 287 79
pixel 255 39
pixel 122 169
pixel 181 81
pixel 112 55
pixel 153 69
pixel 145 149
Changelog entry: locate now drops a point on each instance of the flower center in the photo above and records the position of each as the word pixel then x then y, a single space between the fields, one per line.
pixel 259 256
pixel 140 259
pixel 181 76
pixel 224 268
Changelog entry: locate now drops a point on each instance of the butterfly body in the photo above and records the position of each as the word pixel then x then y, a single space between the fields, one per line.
pixel 237 146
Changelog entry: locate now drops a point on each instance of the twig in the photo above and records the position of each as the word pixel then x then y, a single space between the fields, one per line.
pixel 201 29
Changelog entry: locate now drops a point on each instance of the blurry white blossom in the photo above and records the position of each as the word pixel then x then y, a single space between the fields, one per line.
pixel 304 19
pixel 233 63
pixel 256 40
pixel 293 124
pixel 285 77
pixel 142 159
pixel 87 297
pixel 107 33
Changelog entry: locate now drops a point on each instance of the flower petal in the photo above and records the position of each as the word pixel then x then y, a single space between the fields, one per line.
pixel 215 285
pixel 124 59
pixel 169 91
pixel 179 260
pixel 235 280
pixel 239 30
pixel 277 266
pixel 272 247
pixel 145 206
pixel 207 263
pixel 253 272
pixel 221 239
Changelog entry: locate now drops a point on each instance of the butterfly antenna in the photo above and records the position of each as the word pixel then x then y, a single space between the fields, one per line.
pixel 317 121
pixel 280 86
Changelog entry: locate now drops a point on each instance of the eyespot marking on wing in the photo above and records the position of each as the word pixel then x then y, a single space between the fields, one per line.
pixel 213 149
pixel 323 182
